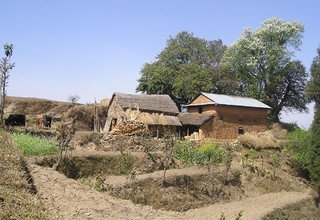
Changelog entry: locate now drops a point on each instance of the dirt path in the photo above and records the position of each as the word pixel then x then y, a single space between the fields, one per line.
pixel 72 200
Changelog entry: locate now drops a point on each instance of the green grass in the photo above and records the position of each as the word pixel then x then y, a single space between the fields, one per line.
pixel 31 145
pixel 16 202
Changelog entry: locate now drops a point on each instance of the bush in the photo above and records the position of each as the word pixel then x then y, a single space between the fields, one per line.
pixel 32 145
pixel 185 152
pixel 207 153
pixel 300 147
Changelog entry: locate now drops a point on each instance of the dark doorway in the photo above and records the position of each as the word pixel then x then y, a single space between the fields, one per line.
pixel 240 130
pixel 16 120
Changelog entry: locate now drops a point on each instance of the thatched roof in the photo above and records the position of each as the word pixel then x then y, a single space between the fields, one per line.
pixel 187 118
pixel 156 103
pixel 158 119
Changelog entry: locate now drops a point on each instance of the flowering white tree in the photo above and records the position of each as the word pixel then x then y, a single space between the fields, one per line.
pixel 261 63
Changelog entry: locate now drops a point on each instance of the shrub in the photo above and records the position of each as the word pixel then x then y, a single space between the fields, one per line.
pixel 300 147
pixel 126 163
pixel 185 152
pixel 32 145
pixel 207 153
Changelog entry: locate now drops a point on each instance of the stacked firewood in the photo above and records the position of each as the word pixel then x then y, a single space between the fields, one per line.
pixel 130 129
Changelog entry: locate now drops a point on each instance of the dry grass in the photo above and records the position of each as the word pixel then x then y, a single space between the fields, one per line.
pixel 272 139
pixel 83 138
pixel 306 209
pixel 16 202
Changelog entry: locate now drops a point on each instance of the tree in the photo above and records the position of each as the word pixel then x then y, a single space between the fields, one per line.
pixel 187 66
pixel 5 67
pixel 261 64
pixel 73 99
pixel 313 92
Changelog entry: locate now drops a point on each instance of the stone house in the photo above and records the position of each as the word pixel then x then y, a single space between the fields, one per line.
pixel 223 117
pixel 157 112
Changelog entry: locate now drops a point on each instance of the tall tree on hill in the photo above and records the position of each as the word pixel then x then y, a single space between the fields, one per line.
pixel 313 92
pixel 187 66
pixel 261 63
pixel 5 67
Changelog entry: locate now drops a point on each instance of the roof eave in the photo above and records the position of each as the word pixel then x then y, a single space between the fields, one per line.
pixel 201 104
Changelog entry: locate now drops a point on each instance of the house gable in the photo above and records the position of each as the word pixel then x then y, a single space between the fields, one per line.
pixel 201 99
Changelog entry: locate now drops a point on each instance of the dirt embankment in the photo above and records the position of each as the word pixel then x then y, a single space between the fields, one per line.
pixel 72 200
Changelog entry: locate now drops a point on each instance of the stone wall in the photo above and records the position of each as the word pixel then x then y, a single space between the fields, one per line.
pixel 114 112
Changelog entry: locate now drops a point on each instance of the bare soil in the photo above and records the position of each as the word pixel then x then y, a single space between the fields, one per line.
pixel 72 200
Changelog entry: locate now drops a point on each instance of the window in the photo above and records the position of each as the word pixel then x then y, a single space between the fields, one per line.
pixel 200 109
pixel 240 130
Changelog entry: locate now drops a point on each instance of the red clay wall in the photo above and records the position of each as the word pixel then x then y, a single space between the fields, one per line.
pixel 201 99
pixel 228 120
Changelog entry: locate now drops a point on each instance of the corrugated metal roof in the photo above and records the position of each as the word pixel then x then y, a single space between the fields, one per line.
pixel 233 100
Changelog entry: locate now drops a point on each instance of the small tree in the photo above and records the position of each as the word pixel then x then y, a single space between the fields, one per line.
pixel 169 143
pixel 5 67
pixel 73 99
pixel 65 131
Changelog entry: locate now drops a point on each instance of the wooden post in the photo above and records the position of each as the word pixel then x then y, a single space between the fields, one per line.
pixel 96 124
pixel 157 131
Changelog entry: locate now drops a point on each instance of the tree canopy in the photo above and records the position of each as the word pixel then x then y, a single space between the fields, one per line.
pixel 313 92
pixel 187 66
pixel 261 66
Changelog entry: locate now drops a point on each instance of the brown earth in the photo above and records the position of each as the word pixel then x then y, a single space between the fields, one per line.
pixel 72 200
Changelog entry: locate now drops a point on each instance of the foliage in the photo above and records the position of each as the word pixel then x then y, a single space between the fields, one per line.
pixel 66 131
pixel 126 163
pixel 300 147
pixel 209 153
pixel 314 95
pixel 16 202
pixel 33 145
pixel 261 64
pixel 187 66
pixel 206 154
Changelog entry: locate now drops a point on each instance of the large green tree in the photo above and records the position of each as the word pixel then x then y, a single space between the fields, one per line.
pixel 187 66
pixel 313 91
pixel 261 62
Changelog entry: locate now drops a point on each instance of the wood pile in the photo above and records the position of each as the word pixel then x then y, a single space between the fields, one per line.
pixel 130 129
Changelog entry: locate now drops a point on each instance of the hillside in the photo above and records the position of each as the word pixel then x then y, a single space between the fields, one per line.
pixel 34 106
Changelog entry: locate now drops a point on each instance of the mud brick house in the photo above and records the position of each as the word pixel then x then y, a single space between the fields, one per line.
pixel 157 112
pixel 223 117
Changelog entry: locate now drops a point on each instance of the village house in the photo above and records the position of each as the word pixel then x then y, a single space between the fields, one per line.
pixel 223 117
pixel 157 112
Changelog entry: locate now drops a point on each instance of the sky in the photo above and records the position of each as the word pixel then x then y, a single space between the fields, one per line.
pixel 97 47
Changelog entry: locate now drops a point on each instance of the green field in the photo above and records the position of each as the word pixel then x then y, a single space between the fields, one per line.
pixel 31 145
